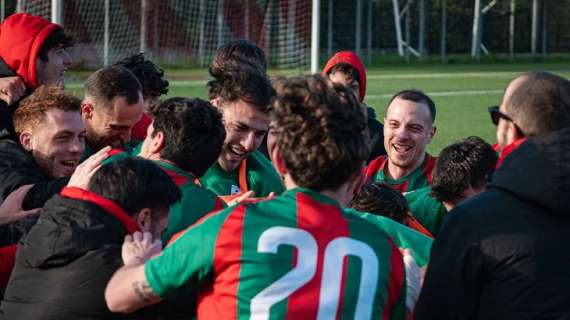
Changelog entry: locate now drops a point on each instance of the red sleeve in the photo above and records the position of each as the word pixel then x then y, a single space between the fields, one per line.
pixel 7 259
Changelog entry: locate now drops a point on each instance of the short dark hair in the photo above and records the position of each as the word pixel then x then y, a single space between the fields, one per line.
pixel 469 163
pixel 150 76
pixel 110 82
pixel 418 97
pixel 193 133
pixel 243 80
pixel 57 38
pixel 134 183
pixel 239 51
pixel 381 199
pixel 32 110
pixel 348 70
pixel 541 103
pixel 321 133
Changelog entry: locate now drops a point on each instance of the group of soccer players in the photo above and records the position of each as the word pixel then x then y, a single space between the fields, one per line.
pixel 277 198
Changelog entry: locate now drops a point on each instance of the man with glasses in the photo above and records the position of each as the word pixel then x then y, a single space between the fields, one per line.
pixel 503 255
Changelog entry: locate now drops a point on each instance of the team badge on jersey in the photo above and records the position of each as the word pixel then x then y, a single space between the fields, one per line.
pixel 234 189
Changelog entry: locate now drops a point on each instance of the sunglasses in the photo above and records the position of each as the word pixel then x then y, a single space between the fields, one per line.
pixel 496 114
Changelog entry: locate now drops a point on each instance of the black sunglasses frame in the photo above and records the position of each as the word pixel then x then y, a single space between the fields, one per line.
pixel 496 114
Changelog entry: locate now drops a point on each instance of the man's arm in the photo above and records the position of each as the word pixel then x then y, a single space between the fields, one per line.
pixel 128 290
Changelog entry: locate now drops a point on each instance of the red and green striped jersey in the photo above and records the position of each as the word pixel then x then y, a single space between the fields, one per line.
pixel 257 174
pixel 403 236
pixel 428 210
pixel 195 203
pixel 296 256
pixel 419 178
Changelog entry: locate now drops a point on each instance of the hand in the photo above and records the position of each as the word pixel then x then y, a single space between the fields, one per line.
pixel 11 208
pixel 240 198
pixel 413 279
pixel 139 247
pixel 87 169
pixel 12 89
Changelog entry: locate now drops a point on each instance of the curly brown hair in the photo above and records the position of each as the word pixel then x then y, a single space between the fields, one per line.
pixel 33 108
pixel 241 80
pixel 321 131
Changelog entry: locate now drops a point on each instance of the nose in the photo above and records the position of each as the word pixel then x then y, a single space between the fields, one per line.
pixel 67 58
pixel 248 142
pixel 77 146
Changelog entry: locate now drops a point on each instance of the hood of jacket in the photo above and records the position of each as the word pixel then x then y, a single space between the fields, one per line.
pixel 538 172
pixel 72 224
pixel 21 37
pixel 352 59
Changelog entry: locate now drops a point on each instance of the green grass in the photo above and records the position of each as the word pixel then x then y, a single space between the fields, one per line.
pixel 462 93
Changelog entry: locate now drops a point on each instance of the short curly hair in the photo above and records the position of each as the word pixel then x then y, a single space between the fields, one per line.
pixel 193 132
pixel 468 163
pixel 149 75
pixel 381 199
pixel 321 131
pixel 243 80
pixel 32 109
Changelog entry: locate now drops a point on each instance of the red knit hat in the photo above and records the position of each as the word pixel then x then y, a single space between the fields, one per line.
pixel 352 59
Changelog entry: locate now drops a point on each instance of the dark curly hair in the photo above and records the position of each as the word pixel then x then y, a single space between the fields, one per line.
pixel 149 75
pixel 381 199
pixel 238 51
pixel 321 131
pixel 243 80
pixel 193 133
pixel 464 164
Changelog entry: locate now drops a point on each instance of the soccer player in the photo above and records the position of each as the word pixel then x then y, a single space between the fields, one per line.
pixel 34 50
pixel 346 68
pixel 503 254
pixel 184 140
pixel 408 129
pixel 51 142
pixel 65 260
pixel 299 255
pixel 462 171
pixel 153 84
pixel 242 93
pixel 112 105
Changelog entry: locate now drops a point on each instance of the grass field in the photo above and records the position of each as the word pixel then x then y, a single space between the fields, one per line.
pixel 462 93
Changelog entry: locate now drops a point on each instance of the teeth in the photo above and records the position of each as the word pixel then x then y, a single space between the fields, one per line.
pixel 70 163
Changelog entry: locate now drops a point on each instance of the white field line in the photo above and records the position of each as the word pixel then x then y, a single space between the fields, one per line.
pixel 444 75
pixel 444 93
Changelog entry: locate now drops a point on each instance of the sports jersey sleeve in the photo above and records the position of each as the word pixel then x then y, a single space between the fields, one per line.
pixel 188 261
pixel 424 207
pixel 403 237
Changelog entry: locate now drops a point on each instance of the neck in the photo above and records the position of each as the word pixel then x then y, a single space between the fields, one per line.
pixel 342 195
pixel 449 205
pixel 395 172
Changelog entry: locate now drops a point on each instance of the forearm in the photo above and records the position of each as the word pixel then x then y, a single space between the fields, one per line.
pixel 128 290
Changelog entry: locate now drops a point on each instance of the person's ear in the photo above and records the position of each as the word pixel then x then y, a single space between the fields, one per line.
pixel 86 110
pixel 432 133
pixel 26 140
pixel 143 220
pixel 279 164
pixel 157 143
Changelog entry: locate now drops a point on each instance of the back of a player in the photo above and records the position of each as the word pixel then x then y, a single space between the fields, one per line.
pixel 299 257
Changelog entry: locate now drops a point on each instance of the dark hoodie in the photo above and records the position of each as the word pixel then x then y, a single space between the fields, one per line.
pixel 505 253
pixel 375 127
pixel 21 37
pixel 65 261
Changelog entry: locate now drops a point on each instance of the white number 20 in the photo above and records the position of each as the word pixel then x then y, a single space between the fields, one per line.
pixel 305 269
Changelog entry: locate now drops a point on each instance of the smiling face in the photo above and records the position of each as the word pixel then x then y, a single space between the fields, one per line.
pixel 52 71
pixel 246 125
pixel 408 129
pixel 111 125
pixel 57 143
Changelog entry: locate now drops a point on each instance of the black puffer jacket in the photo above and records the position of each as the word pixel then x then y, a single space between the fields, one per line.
pixel 505 254
pixel 65 261
pixel 18 168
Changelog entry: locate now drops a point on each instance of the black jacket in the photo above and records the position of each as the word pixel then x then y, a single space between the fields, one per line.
pixel 18 168
pixel 64 263
pixel 505 254
pixel 376 132
pixel 6 111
